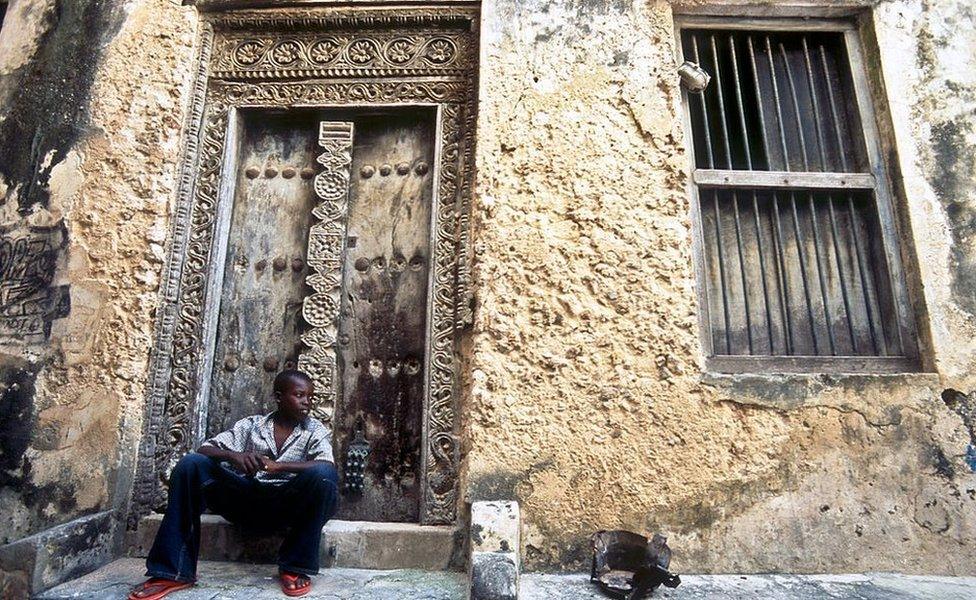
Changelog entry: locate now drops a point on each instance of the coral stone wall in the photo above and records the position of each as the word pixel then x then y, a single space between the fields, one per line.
pixel 93 101
pixel 587 402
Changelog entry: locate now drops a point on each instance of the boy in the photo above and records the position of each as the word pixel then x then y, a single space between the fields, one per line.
pixel 281 476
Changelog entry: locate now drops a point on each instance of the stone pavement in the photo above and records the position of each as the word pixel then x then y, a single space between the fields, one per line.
pixel 238 581
pixel 769 587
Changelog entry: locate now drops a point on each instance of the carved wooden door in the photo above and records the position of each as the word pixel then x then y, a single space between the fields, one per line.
pixel 264 276
pixel 380 331
pixel 383 316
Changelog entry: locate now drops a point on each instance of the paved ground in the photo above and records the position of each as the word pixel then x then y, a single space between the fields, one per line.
pixel 235 581
pixel 769 587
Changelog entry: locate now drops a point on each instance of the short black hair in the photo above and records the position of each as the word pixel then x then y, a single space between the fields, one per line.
pixel 287 376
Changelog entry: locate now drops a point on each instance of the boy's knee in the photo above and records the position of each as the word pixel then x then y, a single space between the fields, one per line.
pixel 192 460
pixel 322 477
pixel 326 472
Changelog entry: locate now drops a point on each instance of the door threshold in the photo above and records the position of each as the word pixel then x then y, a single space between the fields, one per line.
pixel 348 544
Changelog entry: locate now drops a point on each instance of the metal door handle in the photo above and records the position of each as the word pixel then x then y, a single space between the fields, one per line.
pixel 354 470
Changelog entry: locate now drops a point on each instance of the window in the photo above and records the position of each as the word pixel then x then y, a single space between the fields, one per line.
pixel 797 251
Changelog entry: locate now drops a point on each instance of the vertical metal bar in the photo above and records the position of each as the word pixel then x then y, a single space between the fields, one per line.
pixel 850 204
pixel 833 110
pixel 721 104
pixel 721 269
pixel 863 276
pixel 742 269
pixel 762 268
pixel 817 244
pixel 759 103
pixel 813 212
pixel 796 107
pixel 843 276
pixel 778 104
pixel 816 104
pixel 738 98
pixel 783 276
pixel 755 203
pixel 704 109
pixel 803 272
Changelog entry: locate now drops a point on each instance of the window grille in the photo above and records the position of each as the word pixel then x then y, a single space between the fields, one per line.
pixel 798 254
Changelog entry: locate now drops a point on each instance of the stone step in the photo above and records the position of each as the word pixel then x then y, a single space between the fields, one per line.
pixel 239 581
pixel 346 544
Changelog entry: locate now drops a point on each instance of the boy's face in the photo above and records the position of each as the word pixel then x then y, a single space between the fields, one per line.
pixel 295 401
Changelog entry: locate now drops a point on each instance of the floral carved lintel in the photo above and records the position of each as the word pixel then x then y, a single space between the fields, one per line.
pixel 383 53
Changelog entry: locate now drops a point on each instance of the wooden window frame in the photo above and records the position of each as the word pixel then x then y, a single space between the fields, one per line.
pixel 877 181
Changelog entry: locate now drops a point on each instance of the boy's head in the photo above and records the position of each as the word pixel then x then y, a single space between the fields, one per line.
pixel 293 390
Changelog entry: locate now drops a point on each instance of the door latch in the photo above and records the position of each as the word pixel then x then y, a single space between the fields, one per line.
pixel 354 470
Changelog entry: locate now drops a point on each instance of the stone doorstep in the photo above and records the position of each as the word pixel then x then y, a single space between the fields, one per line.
pixel 347 544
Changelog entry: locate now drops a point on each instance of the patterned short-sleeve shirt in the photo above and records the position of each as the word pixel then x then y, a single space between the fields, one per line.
pixel 311 440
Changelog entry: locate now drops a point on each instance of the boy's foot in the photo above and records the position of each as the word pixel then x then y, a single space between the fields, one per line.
pixel 156 587
pixel 294 584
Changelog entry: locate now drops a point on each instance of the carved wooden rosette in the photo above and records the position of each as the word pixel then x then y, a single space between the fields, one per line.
pixel 325 249
pixel 434 74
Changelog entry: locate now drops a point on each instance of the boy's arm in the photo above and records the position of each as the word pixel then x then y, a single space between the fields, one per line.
pixel 290 467
pixel 230 446
pixel 247 462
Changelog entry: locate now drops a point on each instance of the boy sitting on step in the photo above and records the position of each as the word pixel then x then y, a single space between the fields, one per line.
pixel 281 476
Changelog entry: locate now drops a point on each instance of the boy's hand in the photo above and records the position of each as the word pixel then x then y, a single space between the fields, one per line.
pixel 268 465
pixel 248 462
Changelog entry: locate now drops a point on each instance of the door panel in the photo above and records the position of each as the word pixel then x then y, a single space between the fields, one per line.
pixel 383 316
pixel 264 278
pixel 383 312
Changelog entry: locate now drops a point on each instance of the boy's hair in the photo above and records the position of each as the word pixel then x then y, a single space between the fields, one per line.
pixel 287 376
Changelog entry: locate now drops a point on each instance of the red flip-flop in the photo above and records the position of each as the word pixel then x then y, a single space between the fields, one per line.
pixel 292 579
pixel 162 587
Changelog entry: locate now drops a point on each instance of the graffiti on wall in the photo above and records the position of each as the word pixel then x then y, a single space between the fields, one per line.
pixel 29 300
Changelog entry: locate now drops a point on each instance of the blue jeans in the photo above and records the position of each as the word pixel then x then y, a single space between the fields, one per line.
pixel 301 505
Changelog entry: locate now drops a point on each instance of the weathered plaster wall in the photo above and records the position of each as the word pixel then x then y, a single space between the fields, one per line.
pixel 587 402
pixel 93 95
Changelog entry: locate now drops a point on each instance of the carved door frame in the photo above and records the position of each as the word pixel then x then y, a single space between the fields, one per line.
pixel 314 58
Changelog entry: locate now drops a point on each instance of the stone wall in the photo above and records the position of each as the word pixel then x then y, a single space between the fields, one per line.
pixel 587 401
pixel 92 94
